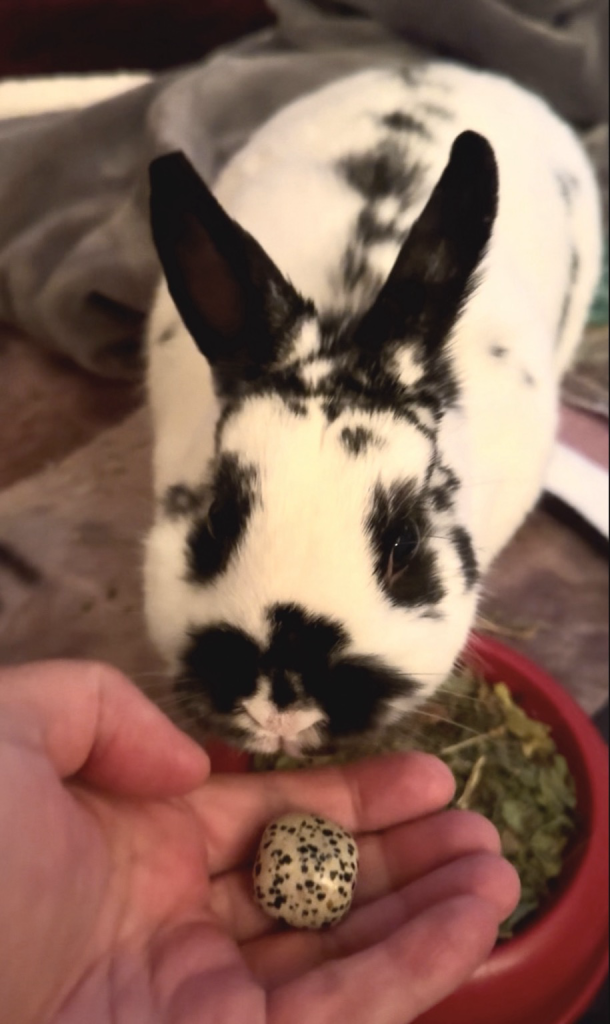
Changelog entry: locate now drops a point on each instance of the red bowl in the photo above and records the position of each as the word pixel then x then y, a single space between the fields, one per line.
pixel 551 972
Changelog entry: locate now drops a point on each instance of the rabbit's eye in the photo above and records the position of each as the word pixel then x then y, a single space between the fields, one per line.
pixel 213 520
pixel 403 551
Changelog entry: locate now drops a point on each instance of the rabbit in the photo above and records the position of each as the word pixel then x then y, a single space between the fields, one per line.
pixel 353 367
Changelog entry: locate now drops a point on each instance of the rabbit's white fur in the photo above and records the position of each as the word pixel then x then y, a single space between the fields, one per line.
pixel 306 543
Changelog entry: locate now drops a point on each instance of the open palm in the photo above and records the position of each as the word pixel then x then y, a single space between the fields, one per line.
pixel 125 883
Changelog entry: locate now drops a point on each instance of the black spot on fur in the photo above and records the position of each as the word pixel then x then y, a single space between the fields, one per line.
pixel 336 330
pixel 575 264
pixel 348 690
pixel 498 351
pixel 181 500
pixel 363 379
pixel 357 439
pixel 213 540
pixel 301 641
pixel 568 186
pixel 369 382
pixel 412 75
pixel 349 391
pixel 354 692
pixel 528 380
pixel 287 385
pixel 443 487
pixel 436 110
pixel 222 663
pixel 355 268
pixel 18 566
pixel 366 377
pixel 462 543
pixel 168 334
pixel 394 510
pixel 380 173
pixel 401 121
pixel 371 231
pixel 298 409
pixel 441 499
pixel 283 692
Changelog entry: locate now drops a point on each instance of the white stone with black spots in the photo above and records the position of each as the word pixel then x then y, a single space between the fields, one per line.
pixel 305 871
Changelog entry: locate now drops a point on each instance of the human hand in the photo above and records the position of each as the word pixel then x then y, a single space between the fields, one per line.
pixel 125 886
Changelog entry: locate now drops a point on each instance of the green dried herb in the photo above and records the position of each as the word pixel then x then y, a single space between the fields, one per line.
pixel 506 767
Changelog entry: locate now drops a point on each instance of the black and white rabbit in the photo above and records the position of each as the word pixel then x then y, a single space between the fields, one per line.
pixel 354 412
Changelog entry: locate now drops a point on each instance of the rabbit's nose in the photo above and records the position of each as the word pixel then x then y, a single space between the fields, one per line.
pixel 286 725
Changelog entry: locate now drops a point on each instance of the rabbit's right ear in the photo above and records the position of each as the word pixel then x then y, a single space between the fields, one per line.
pixel 235 303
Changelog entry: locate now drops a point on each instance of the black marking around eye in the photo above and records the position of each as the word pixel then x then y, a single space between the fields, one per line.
pixel 357 440
pixel 213 540
pixel 419 586
pixel 443 487
pixel 181 500
pixel 18 566
pixel 498 351
pixel 401 121
pixel 462 542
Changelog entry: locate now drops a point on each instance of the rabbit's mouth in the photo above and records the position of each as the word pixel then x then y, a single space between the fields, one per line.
pixel 296 734
pixel 292 731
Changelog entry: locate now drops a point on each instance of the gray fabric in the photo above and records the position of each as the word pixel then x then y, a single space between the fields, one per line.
pixel 77 268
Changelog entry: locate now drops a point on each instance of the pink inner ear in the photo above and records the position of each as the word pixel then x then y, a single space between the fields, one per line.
pixel 212 284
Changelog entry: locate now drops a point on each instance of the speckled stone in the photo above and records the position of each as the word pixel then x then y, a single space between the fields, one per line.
pixel 305 871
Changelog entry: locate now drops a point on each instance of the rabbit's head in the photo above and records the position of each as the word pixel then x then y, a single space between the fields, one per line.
pixel 327 578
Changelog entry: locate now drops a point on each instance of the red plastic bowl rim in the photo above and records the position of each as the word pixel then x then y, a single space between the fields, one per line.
pixel 594 754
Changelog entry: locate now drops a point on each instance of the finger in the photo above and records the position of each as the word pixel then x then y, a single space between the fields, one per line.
pixel 394 859
pixel 92 722
pixel 363 797
pixel 400 978
pixel 389 861
pixel 280 957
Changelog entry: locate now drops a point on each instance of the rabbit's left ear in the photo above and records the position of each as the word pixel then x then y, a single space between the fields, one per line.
pixel 235 303
pixel 430 281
